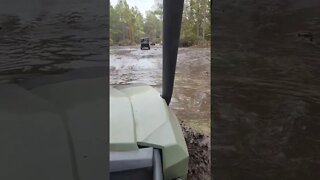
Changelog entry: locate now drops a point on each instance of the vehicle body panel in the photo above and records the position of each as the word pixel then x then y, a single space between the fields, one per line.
pixel 155 126
pixel 122 133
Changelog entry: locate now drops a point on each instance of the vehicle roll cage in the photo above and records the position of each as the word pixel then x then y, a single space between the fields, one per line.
pixel 172 17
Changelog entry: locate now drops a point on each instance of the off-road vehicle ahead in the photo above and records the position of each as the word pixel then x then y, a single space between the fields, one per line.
pixel 144 43
pixel 146 140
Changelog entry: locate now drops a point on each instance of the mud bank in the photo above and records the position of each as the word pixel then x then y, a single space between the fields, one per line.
pixel 199 153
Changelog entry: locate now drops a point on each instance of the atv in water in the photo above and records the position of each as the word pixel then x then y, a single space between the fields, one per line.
pixel 144 43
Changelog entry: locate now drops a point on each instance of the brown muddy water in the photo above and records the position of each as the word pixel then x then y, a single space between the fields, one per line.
pixel 43 38
pixel 191 97
pixel 266 90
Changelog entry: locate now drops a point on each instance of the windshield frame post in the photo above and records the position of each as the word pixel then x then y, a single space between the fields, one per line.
pixel 172 17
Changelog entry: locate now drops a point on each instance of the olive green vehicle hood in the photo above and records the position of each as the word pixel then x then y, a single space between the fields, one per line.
pixel 140 117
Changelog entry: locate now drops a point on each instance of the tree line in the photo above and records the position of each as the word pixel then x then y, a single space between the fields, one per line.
pixel 127 25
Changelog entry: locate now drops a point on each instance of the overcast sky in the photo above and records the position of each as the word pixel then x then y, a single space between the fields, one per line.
pixel 142 5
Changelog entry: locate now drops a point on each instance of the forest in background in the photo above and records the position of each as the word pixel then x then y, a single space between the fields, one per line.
pixel 127 24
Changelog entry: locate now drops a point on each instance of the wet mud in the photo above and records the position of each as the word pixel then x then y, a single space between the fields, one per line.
pixel 199 154
pixel 266 88
pixel 42 38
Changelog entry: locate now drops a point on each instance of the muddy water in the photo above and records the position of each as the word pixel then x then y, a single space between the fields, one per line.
pixel 42 37
pixel 266 90
pixel 191 98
